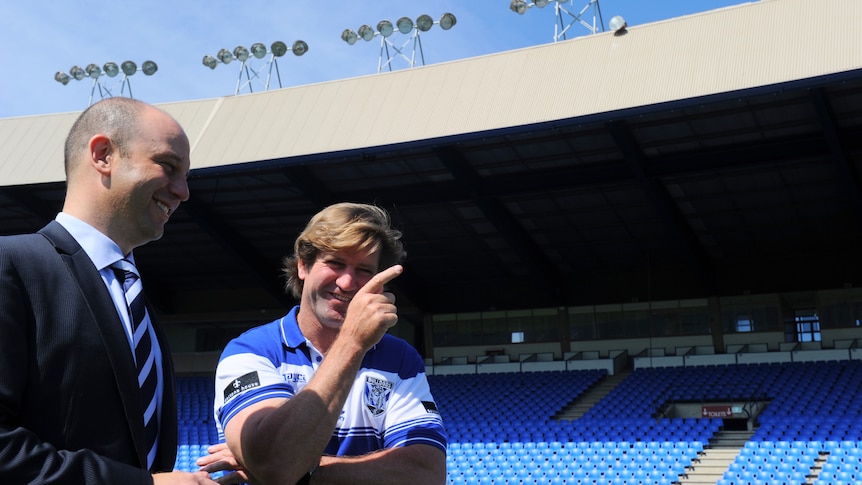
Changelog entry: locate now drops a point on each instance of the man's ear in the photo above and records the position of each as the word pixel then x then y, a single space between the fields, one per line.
pixel 301 270
pixel 101 152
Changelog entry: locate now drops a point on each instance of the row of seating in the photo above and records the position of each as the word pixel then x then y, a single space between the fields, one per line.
pixel 197 430
pixel 830 415
pixel 503 428
pixel 843 464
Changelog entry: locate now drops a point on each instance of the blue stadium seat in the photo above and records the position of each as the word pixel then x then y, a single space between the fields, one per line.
pixel 618 436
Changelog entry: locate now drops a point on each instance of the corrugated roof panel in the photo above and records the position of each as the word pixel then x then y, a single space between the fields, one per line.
pixel 195 117
pixel 758 44
pixel 31 148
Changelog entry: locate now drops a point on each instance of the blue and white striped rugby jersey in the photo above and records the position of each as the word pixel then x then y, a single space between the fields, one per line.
pixel 389 405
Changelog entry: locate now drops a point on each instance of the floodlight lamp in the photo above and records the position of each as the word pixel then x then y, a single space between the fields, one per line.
pixel 541 3
pixel 129 68
pixel 349 36
pixel 404 24
pixel 385 28
pixel 518 6
pixel 299 48
pixel 278 48
pixel 210 61
pixel 77 73
pixel 258 50
pixel 93 71
pixel 111 69
pixel 62 78
pixel 366 32
pixel 617 24
pixel 424 23
pixel 224 56
pixel 149 68
pixel 447 21
pixel 241 53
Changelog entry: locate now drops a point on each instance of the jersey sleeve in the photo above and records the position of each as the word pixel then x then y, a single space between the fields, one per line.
pixel 247 373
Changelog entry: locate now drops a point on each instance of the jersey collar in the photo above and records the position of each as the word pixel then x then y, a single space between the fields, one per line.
pixel 291 336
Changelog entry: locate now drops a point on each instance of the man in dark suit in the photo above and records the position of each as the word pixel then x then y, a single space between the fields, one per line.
pixel 71 409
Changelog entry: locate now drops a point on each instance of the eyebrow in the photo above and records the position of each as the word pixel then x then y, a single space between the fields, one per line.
pixel 171 156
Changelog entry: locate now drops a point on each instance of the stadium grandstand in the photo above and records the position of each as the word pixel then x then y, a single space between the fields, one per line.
pixel 633 257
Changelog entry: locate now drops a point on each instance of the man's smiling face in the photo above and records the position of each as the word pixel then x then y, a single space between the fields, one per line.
pixel 330 283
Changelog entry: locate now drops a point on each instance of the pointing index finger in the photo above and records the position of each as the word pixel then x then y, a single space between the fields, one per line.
pixel 376 283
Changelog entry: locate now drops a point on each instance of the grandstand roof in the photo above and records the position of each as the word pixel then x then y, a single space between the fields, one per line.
pixel 710 154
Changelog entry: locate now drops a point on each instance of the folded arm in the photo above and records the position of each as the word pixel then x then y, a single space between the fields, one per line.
pixel 423 464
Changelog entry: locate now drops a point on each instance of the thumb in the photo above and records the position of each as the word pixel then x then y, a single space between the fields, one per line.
pixel 376 283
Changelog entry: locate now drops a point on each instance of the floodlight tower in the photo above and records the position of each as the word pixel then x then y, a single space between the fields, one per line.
pixel 560 26
pixel 405 26
pixel 111 70
pixel 257 51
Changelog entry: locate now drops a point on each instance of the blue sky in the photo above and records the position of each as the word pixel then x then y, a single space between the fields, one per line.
pixel 46 36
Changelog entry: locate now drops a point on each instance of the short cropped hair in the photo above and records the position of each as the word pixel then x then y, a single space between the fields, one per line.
pixel 117 118
pixel 339 227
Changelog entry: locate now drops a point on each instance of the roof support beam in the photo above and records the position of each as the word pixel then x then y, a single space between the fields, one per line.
pixel 662 201
pixel 850 180
pixel 772 153
pixel 304 180
pixel 201 214
pixel 24 197
pixel 506 224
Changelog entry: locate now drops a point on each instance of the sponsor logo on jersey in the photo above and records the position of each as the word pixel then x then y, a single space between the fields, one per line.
pixel 430 407
pixel 241 384
pixel 377 393
pixel 298 379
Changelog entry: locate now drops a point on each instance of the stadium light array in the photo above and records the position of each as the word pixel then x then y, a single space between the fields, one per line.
pixel 257 51
pixel 520 7
pixel 386 30
pixel 109 70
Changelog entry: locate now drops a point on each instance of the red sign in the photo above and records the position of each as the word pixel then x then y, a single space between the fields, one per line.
pixel 716 411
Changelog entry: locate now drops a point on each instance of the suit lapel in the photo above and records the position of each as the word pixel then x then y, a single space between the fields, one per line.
pixel 109 325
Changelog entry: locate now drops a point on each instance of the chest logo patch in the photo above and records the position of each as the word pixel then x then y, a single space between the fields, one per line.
pixel 377 393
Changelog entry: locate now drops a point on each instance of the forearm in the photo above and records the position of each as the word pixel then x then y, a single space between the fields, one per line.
pixel 286 442
pixel 419 464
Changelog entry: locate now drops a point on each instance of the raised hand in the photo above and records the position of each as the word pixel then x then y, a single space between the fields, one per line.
pixel 372 310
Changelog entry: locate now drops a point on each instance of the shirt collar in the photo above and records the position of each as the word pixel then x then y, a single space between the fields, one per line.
pixel 291 336
pixel 101 250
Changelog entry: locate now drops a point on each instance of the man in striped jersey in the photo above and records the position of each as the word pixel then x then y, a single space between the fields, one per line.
pixel 324 394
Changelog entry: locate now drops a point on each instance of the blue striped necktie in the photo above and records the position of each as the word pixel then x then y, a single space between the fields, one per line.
pixel 145 357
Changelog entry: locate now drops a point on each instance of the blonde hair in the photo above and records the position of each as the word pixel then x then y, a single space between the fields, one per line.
pixel 343 227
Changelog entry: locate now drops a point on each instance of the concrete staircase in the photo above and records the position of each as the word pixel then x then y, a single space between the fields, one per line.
pixel 588 399
pixel 814 473
pixel 716 457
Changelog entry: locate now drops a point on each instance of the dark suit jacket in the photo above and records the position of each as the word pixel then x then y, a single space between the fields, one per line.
pixel 70 408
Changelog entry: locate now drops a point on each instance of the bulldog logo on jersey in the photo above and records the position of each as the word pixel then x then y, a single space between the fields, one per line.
pixel 377 392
